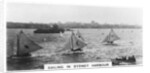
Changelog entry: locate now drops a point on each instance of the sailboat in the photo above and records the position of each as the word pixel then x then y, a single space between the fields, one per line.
pixel 74 45
pixel 24 46
pixel 111 37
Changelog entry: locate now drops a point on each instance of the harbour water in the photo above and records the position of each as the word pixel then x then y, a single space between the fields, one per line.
pixel 129 44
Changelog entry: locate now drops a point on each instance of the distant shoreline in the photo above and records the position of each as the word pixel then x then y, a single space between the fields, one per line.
pixel 18 25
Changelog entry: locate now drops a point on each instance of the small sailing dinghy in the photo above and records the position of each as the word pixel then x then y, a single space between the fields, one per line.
pixel 75 45
pixel 110 38
pixel 24 46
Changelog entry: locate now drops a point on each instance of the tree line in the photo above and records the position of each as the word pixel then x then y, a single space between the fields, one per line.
pixel 67 25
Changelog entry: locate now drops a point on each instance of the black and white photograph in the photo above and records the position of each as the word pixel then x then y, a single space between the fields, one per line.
pixel 54 34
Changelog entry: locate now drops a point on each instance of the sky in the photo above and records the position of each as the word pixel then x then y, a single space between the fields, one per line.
pixel 47 13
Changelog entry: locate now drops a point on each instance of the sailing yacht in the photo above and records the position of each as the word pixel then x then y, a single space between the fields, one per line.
pixel 25 46
pixel 75 44
pixel 111 37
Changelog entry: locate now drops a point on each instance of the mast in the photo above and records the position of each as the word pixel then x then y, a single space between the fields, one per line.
pixel 18 45
pixel 18 42
pixel 72 41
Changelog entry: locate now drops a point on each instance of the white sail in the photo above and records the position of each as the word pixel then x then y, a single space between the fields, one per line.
pixel 111 37
pixel 79 35
pixel 25 45
pixel 61 34
pixel 74 43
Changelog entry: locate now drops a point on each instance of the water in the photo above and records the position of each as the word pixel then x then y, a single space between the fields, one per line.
pixel 95 51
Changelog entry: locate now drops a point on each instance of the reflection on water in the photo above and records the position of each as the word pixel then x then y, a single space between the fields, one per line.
pixel 95 51
pixel 38 62
pixel 23 64
pixel 73 58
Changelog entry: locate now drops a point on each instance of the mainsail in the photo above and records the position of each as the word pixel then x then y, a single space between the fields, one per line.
pixel 75 43
pixel 111 37
pixel 79 35
pixel 25 45
pixel 61 34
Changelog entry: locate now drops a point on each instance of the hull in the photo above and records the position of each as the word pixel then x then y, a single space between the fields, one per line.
pixel 111 44
pixel 73 53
